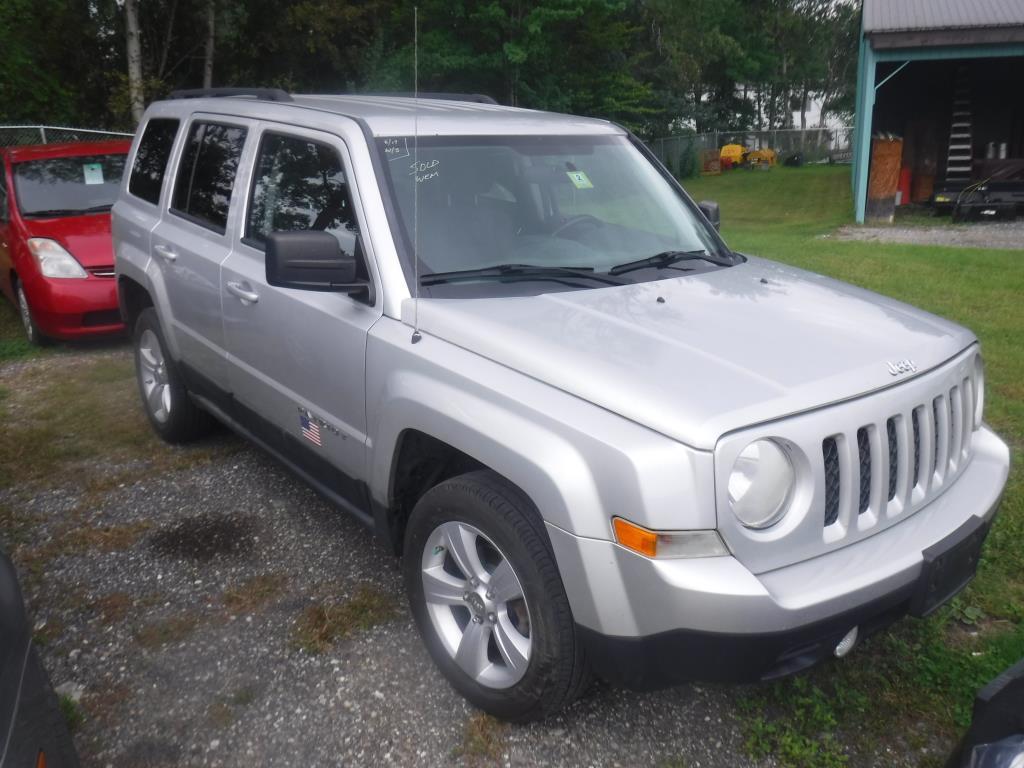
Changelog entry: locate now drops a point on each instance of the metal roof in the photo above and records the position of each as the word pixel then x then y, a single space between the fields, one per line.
pixel 907 15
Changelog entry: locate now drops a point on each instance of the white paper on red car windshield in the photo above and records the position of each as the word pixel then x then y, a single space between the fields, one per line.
pixel 93 173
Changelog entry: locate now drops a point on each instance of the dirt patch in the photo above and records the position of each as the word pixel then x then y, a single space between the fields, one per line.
pixel 204 537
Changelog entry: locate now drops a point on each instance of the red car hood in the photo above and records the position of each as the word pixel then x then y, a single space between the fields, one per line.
pixel 87 237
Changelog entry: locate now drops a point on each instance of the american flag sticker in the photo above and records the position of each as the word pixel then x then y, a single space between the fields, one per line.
pixel 310 429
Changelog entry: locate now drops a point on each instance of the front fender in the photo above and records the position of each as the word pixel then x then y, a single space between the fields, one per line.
pixel 580 464
pixel 545 465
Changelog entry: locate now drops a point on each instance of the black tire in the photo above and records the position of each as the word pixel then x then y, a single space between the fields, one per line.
pixel 557 672
pixel 35 336
pixel 185 421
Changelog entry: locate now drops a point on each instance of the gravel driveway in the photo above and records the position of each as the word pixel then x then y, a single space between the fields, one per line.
pixel 188 603
pixel 1005 235
pixel 204 607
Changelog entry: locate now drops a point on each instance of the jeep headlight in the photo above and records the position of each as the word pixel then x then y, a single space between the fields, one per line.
pixel 54 260
pixel 761 484
pixel 979 390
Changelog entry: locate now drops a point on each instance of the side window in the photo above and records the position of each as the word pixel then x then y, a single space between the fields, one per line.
pixel 151 159
pixel 206 174
pixel 298 185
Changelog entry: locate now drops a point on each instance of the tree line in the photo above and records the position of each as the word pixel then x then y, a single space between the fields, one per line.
pixel 657 66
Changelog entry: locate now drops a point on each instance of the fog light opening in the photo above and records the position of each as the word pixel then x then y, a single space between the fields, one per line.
pixel 846 644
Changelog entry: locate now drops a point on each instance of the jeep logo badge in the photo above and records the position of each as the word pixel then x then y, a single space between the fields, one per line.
pixel 900 367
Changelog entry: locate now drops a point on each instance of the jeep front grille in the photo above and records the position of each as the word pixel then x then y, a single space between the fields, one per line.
pixel 830 453
pixel 864 457
pixel 863 465
pixel 890 433
pixel 946 419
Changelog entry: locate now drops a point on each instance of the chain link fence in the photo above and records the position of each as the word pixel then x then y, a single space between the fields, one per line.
pixel 682 153
pixel 18 135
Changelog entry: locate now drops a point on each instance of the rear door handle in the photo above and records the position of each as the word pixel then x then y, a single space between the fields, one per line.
pixel 244 292
pixel 165 253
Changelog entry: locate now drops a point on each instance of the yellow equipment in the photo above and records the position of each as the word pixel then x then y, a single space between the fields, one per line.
pixel 735 153
pixel 762 157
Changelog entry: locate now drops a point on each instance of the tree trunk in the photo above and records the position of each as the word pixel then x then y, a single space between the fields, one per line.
pixel 211 28
pixel 132 45
pixel 165 50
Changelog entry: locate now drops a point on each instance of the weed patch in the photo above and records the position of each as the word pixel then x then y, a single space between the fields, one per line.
pixel 254 593
pixel 325 622
pixel 483 739
pixel 72 713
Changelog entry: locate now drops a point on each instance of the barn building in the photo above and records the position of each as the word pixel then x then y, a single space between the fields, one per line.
pixel 943 81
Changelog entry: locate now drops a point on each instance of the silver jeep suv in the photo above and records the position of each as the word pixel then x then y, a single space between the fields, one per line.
pixel 509 342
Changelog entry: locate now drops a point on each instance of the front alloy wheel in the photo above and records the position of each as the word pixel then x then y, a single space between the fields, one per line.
pixel 476 605
pixel 32 331
pixel 488 598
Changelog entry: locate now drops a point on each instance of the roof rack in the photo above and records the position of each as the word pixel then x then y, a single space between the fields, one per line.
pixel 263 94
pixel 476 98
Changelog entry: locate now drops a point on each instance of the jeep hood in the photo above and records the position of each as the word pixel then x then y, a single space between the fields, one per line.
pixel 724 349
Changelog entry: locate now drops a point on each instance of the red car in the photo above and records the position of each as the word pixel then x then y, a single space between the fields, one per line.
pixel 56 256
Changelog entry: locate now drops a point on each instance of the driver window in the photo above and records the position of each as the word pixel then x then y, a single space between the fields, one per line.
pixel 300 185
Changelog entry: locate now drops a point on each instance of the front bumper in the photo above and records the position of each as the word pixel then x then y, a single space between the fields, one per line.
pixel 652 623
pixel 73 309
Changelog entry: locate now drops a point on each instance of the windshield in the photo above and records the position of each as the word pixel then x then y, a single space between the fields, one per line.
pixel 68 186
pixel 590 203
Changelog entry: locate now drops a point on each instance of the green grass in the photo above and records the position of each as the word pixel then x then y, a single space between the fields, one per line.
pixel 72 713
pixel 914 685
pixel 13 344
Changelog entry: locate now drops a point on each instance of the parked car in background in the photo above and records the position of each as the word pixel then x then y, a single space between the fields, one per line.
pixel 56 259
pixel 33 733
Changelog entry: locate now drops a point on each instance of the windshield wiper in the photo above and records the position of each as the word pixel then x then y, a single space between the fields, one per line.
pixel 666 258
pixel 69 211
pixel 502 271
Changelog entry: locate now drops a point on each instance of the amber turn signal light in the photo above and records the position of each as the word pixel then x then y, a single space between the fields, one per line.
pixel 636 538
pixel 665 545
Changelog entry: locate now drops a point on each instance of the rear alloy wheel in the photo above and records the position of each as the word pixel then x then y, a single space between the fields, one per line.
pixel 32 332
pixel 172 413
pixel 488 599
pixel 153 379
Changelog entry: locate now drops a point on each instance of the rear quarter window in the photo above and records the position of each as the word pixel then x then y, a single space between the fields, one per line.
pixel 151 159
pixel 206 174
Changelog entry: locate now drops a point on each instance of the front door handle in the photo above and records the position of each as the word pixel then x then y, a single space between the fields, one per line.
pixel 165 253
pixel 244 292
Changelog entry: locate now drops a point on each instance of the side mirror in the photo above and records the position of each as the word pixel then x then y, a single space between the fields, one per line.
pixel 710 210
pixel 311 261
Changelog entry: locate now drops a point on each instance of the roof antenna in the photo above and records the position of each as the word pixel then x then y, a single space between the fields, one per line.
pixel 416 337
